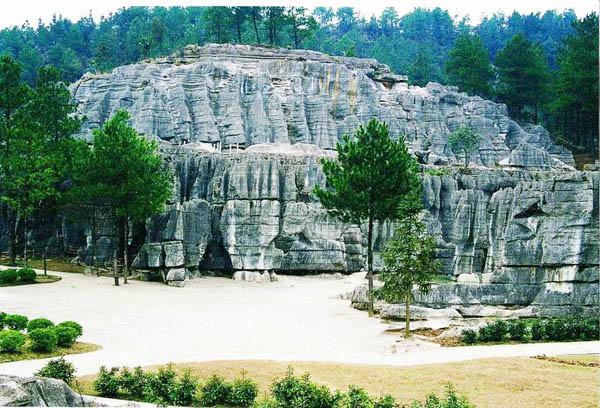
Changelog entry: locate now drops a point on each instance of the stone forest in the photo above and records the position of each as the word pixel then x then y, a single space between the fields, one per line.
pixel 244 275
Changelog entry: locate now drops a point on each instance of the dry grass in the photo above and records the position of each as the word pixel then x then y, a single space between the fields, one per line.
pixel 52 264
pixel 28 354
pixel 511 382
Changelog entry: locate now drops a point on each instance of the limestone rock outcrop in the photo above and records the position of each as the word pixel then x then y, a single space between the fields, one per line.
pixel 37 392
pixel 244 128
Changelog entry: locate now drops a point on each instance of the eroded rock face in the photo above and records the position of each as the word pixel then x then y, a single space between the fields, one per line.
pixel 244 129
pixel 37 392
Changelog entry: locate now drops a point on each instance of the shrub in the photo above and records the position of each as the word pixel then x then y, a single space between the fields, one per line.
pixel 495 331
pixel 538 330
pixel 243 393
pixel 557 329
pixel 60 369
pixel 2 316
pixel 11 341
pixel 387 401
pixel 161 385
pixel 39 324
pixel 357 398
pixel 590 329
pixel 107 383
pixel 469 336
pixel 43 340
pixel 73 325
pixel 16 322
pixel 65 336
pixel 450 400
pixel 27 275
pixel 215 391
pixel 134 383
pixel 8 276
pixel 294 392
pixel 517 329
pixel 185 391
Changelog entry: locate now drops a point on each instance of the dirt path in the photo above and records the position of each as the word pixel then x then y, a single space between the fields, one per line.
pixel 297 318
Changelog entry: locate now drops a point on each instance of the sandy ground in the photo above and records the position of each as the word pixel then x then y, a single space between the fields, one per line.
pixel 297 318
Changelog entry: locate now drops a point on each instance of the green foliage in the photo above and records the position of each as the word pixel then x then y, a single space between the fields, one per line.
pixel 43 340
pixel 463 141
pixel 517 329
pixel 107 383
pixel 423 69
pixel 74 325
pixel 16 322
pixel 185 391
pixel 215 391
pixel 243 393
pixel 65 336
pixel 538 330
pixel 2 316
pixel 386 401
pixel 8 276
pixel 469 336
pixel 294 392
pixel 356 397
pixel 523 76
pixel 468 66
pixel 162 385
pixel 493 332
pixel 450 400
pixel 133 383
pixel 27 275
pixel 40 323
pixel 11 341
pixel 58 368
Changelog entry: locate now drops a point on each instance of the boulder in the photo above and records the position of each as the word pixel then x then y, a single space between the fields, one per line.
pixel 37 392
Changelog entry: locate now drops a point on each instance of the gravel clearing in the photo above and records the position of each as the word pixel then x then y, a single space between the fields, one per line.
pixel 294 319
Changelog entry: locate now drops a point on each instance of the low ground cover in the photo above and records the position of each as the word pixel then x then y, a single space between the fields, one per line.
pixel 485 383
pixel 52 264
pixel 24 276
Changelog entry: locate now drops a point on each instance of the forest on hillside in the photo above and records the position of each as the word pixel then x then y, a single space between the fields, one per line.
pixel 544 66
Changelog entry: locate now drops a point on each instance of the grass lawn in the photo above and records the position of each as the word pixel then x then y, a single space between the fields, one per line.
pixel 28 354
pixel 510 382
pixel 38 279
pixel 52 264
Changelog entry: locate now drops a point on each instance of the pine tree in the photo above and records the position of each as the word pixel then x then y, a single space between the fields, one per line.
pixel 468 66
pixel 372 175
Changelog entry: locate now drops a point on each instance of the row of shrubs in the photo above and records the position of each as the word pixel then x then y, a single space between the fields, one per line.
pixel 166 388
pixel 25 275
pixel 552 329
pixel 44 335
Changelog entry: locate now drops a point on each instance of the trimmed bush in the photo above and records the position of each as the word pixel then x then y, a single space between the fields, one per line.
pixel 8 276
pixel 27 275
pixel 134 383
pixel 11 341
pixel 65 336
pixel 493 332
pixel 107 383
pixel 294 392
pixel 60 369
pixel 43 340
pixel 538 330
pixel 517 329
pixel 40 323
pixel 215 391
pixel 162 385
pixel 73 325
pixel 16 322
pixel 185 391
pixel 469 336
pixel 357 398
pixel 557 329
pixel 243 393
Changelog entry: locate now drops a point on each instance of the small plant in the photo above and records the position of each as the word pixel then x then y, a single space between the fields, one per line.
pixel 357 398
pixel 185 391
pixel 450 400
pixel 134 383
pixel 65 336
pixel 538 330
pixel 40 323
pixel 16 322
pixel 27 275
pixel 517 329
pixel 243 393
pixel 493 332
pixel 591 328
pixel 107 383
pixel 294 392
pixel 161 385
pixel 8 276
pixel 58 368
pixel 387 401
pixel 215 391
pixel 43 340
pixel 557 329
pixel 11 341
pixel 73 325
pixel 2 316
pixel 469 336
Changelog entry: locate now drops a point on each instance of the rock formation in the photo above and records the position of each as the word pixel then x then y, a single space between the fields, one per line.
pixel 244 128
pixel 38 392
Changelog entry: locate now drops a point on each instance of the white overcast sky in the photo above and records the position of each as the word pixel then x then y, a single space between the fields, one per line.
pixel 17 12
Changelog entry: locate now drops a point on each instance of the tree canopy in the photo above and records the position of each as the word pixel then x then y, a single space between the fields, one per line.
pixel 468 66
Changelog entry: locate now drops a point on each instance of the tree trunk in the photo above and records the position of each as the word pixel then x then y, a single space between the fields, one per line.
pixel 125 249
pixel 45 258
pixel 25 243
pixel 115 265
pixel 255 29
pixel 407 317
pixel 12 238
pixel 239 33
pixel 370 263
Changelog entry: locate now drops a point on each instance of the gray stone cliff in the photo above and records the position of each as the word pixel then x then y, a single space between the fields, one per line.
pixel 244 128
